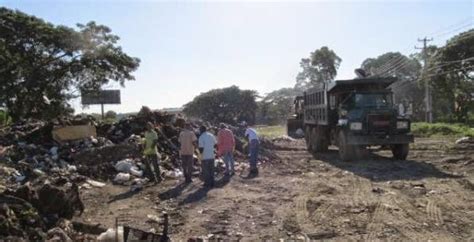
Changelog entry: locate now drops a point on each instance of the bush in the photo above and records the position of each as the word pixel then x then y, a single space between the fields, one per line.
pixel 4 118
pixel 441 129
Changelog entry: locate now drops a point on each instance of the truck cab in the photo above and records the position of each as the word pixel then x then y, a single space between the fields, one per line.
pixel 355 114
pixel 294 124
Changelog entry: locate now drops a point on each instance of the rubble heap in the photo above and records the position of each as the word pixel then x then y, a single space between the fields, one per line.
pixel 44 176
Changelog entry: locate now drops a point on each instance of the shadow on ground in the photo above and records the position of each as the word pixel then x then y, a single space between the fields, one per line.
pixel 122 196
pixel 173 192
pixel 380 168
pixel 201 193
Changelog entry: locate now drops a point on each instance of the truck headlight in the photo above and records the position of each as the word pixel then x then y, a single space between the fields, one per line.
pixel 356 126
pixel 402 125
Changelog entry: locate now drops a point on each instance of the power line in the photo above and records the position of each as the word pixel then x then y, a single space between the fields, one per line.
pixel 447 63
pixel 455 41
pixel 454 30
pixel 446 72
pixel 390 65
pixel 452 25
pixel 399 66
pixel 455 61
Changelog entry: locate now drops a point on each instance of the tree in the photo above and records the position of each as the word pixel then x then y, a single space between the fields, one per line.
pixel 276 106
pixel 229 105
pixel 111 115
pixel 451 73
pixel 321 66
pixel 407 69
pixel 43 66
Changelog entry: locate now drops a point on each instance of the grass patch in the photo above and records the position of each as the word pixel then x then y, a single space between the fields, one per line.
pixel 441 129
pixel 418 129
pixel 271 131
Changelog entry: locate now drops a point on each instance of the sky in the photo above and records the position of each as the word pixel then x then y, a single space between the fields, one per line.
pixel 189 47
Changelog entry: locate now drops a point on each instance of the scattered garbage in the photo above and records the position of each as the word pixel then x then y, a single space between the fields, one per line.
pixel 122 177
pixel 111 235
pixel 50 161
pixel 66 133
pixel 465 140
pixel 95 183
pixel 124 165
pixel 135 172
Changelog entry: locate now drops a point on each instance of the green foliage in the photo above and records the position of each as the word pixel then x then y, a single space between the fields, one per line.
pixel 441 129
pixel 271 131
pixel 321 66
pixel 42 66
pixel 407 69
pixel 111 115
pixel 229 105
pixel 276 106
pixel 4 118
pixel 453 80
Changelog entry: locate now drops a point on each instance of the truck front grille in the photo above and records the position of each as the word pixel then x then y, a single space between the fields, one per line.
pixel 378 123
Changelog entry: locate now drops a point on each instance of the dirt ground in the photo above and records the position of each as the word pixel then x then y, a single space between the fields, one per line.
pixel 430 196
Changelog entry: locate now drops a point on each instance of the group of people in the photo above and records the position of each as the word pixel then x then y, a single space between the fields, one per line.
pixel 209 148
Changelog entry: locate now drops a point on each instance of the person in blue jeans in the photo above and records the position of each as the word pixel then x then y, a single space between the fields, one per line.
pixel 225 148
pixel 254 143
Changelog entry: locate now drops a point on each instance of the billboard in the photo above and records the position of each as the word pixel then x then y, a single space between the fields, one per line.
pixel 101 97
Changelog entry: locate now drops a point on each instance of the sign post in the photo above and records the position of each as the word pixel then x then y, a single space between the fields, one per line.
pixel 101 97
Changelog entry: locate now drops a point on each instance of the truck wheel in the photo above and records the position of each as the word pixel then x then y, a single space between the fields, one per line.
pixel 400 151
pixel 318 138
pixel 346 151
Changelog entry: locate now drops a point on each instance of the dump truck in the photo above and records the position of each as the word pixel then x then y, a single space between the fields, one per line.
pixel 294 124
pixel 353 115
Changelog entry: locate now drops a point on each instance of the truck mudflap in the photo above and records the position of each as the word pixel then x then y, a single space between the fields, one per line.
pixel 380 140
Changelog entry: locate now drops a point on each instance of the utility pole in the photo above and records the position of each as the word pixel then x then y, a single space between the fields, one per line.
pixel 428 98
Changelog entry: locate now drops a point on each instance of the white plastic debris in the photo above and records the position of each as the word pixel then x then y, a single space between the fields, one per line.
pixel 153 218
pixel 134 171
pixel 94 140
pixel 173 174
pixel 122 177
pixel 39 172
pixel 95 183
pixel 71 168
pixel 110 235
pixel 124 165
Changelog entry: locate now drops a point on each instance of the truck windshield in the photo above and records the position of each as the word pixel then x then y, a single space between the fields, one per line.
pixel 373 100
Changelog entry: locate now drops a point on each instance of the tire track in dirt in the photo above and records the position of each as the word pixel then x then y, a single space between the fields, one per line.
pixel 406 222
pixel 320 215
pixel 376 225
pixel 434 213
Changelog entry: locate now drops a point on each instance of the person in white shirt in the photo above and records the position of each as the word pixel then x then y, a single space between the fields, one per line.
pixel 207 144
pixel 252 136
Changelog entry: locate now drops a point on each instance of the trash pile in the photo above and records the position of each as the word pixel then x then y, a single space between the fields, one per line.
pixel 44 165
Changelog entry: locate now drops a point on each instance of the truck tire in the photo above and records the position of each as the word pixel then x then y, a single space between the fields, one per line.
pixel 346 151
pixel 400 151
pixel 319 139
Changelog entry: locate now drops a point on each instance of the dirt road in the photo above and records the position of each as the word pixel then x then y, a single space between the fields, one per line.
pixel 428 197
